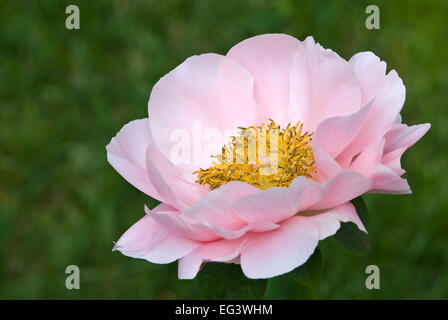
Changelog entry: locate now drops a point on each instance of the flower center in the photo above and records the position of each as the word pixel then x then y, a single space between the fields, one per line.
pixel 263 156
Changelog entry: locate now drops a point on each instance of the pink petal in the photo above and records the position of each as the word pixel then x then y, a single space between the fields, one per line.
pixel 143 236
pixel 343 187
pixel 393 160
pixel 170 250
pixel 171 221
pixel 255 226
pixel 177 224
pixel 184 191
pixel 218 251
pixel 385 109
pixel 369 159
pixel 126 153
pixel 401 136
pixel 211 92
pixel 277 204
pixel 322 86
pixel 148 240
pixel 268 58
pixel 370 71
pixel 164 207
pixel 329 221
pixel 276 252
pixel 215 207
pixel 162 186
pixel 280 251
pixel 335 134
pixel 326 166
pixel 386 180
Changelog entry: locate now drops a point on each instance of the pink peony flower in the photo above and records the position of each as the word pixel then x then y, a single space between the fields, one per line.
pixel 348 141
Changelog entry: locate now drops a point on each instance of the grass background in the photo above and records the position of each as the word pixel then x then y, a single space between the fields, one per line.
pixel 64 94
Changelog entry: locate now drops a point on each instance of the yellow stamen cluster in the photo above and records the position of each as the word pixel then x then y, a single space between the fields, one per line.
pixel 264 157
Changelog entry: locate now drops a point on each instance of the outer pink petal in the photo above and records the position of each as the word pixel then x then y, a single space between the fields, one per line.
pixel 370 71
pixel 162 186
pixel 170 250
pixel 149 240
pixel 370 158
pixel 208 92
pixel 273 253
pixel 255 226
pixel 277 204
pixel 329 221
pixel 335 134
pixel 386 180
pixel 326 166
pixel 177 224
pixel 401 136
pixel 126 153
pixel 218 251
pixel 144 235
pixel 215 207
pixel 393 160
pixel 185 192
pixel 282 250
pixel 343 187
pixel 385 109
pixel 398 139
pixel 322 86
pixel 172 223
pixel 268 58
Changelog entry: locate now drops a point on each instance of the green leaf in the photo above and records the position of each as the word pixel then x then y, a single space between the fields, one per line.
pixel 353 239
pixel 309 273
pixel 227 281
pixel 361 209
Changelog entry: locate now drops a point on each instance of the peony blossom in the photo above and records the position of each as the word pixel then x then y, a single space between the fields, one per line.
pixel 340 136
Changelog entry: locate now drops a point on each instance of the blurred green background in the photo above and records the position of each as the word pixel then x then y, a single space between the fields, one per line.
pixel 65 93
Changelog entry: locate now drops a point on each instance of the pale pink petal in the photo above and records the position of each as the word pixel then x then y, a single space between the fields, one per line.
pixel 277 204
pixel 335 134
pixel 162 186
pixel 276 252
pixel 403 136
pixel 170 250
pixel 205 93
pixel 282 250
pixel 164 207
pixel 185 191
pixel 386 180
pixel 343 187
pixel 329 221
pixel 215 207
pixel 326 166
pixel 398 139
pixel 255 226
pixel 369 159
pixel 177 224
pixel 218 251
pixel 148 240
pixel 268 58
pixel 126 153
pixel 322 86
pixel 370 71
pixel 172 223
pixel 383 113
pixel 393 160
pixel 143 236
